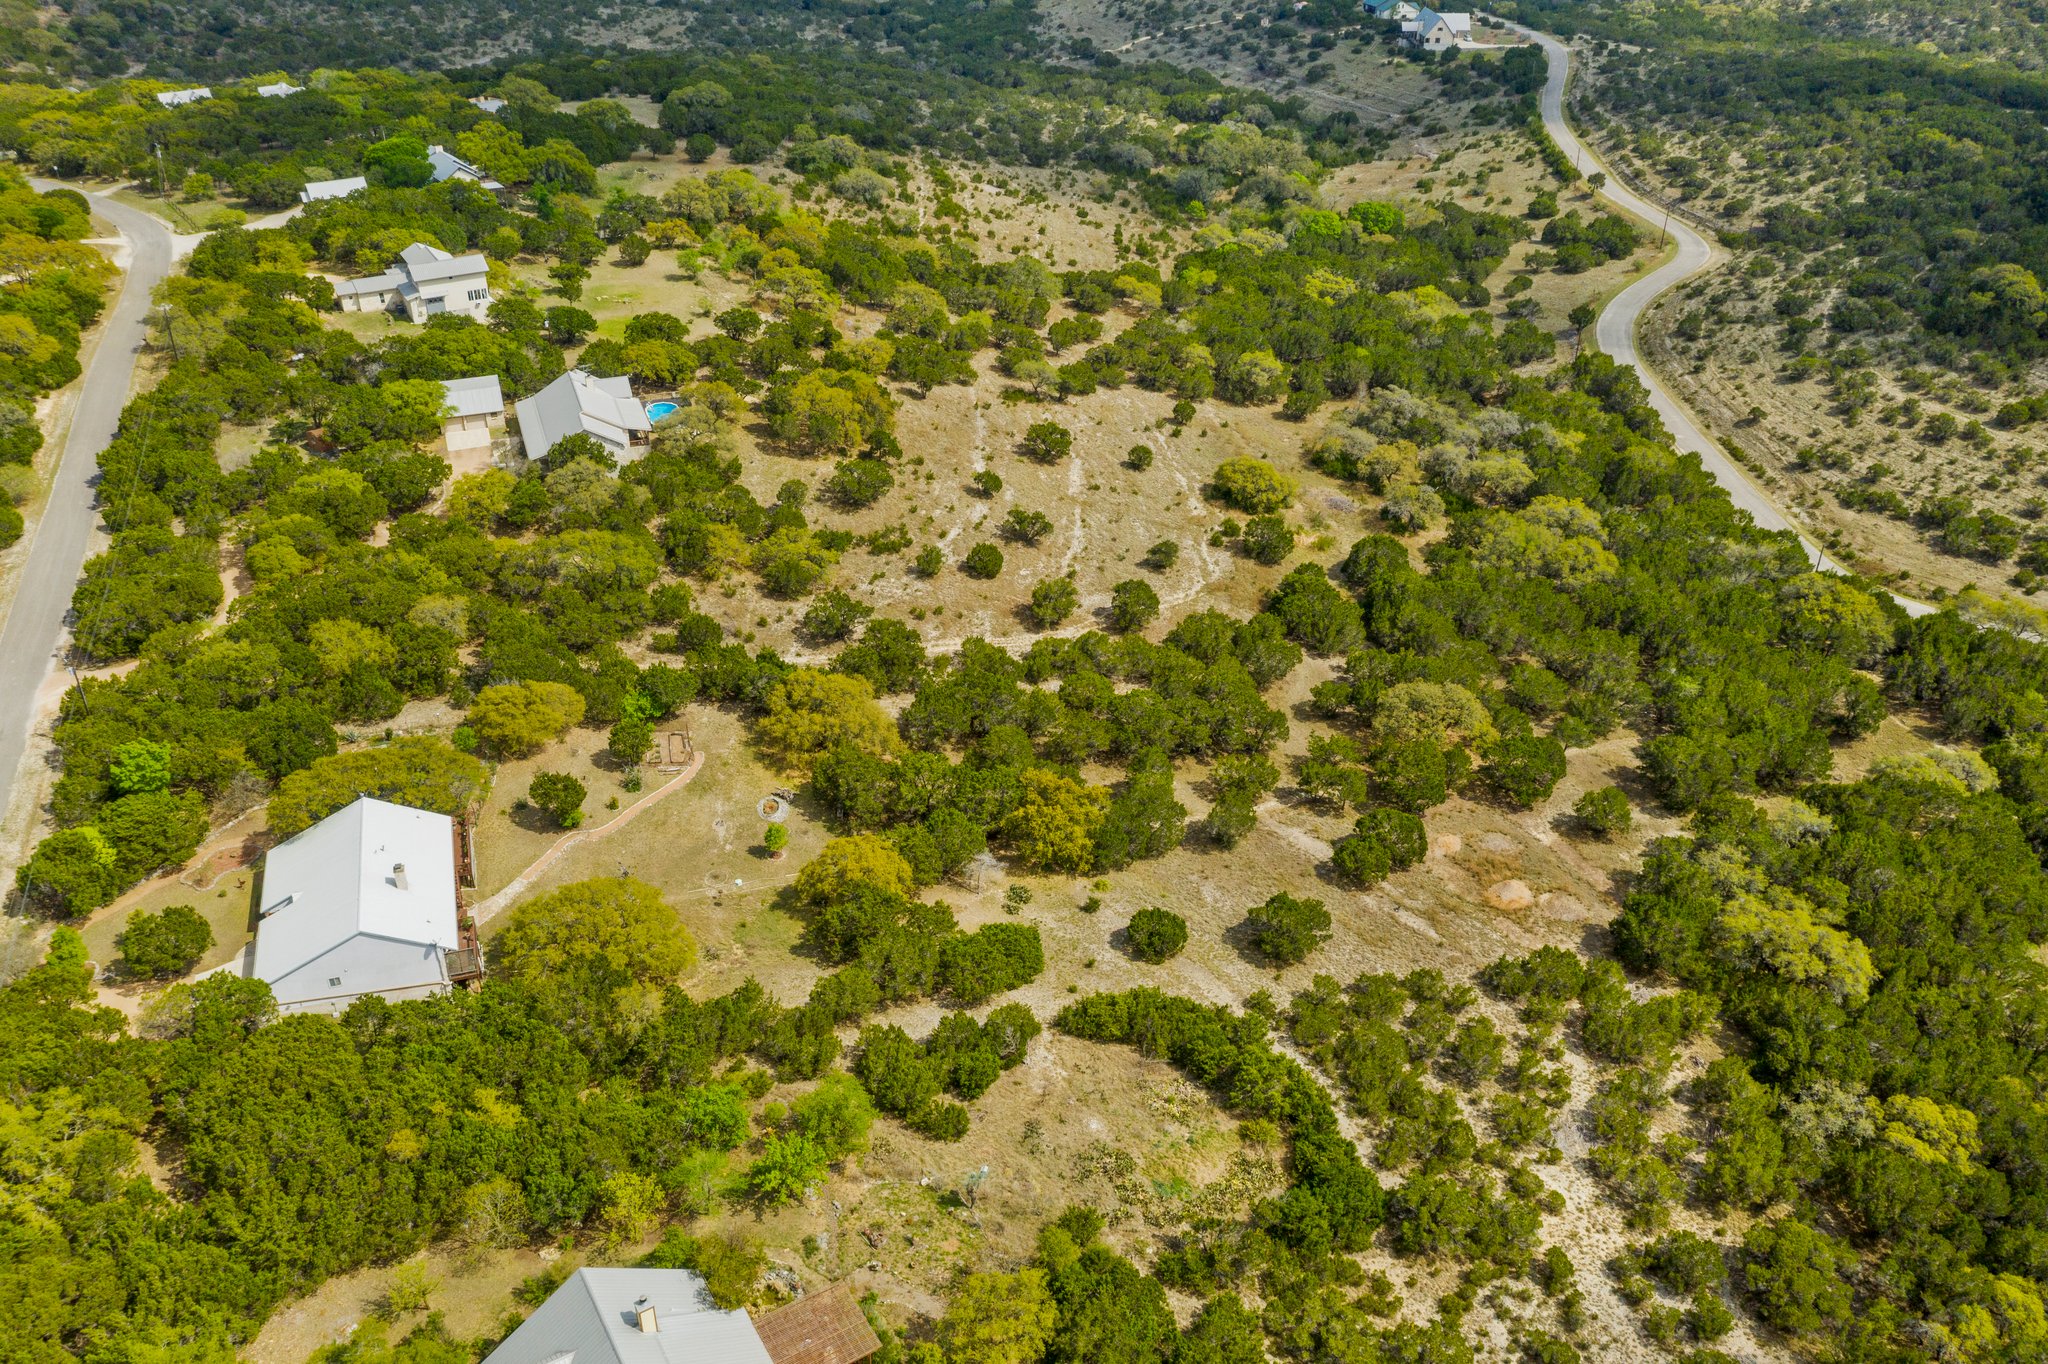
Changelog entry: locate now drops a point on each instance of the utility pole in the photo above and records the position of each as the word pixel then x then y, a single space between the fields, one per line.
pixel 78 685
pixel 163 182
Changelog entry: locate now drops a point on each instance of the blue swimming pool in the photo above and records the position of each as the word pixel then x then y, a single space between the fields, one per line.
pixel 656 411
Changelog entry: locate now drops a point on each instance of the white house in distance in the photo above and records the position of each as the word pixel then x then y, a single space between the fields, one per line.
pixel 279 90
pixel 581 402
pixel 423 282
pixel 664 1316
pixel 490 104
pixel 362 903
pixel 1436 32
pixel 171 99
pixel 448 166
pixel 316 190
pixel 475 405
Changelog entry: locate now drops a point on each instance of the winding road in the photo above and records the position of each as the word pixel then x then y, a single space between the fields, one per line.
pixel 32 635
pixel 1615 331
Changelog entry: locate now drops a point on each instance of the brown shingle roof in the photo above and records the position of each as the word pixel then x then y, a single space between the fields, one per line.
pixel 825 1327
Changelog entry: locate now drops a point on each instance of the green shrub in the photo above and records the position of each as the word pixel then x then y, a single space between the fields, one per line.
pixel 168 943
pixel 1156 935
pixel 983 561
pixel 1603 812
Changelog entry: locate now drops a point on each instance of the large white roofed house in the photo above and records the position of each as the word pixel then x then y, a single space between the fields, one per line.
pixel 448 166
pixel 316 190
pixel 632 1316
pixel 280 90
pixel 362 903
pixel 581 402
pixel 423 282
pixel 1435 31
pixel 171 99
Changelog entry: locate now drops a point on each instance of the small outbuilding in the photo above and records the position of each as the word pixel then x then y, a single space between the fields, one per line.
pixel 824 1327
pixel 476 406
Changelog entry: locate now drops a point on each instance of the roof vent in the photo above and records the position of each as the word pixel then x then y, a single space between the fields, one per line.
pixel 398 876
pixel 643 1317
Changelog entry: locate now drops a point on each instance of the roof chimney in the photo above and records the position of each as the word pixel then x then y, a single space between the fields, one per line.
pixel 398 876
pixel 643 1317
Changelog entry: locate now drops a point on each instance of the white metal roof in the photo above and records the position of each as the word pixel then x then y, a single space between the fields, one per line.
pixel 580 402
pixel 279 90
pixel 490 104
pixel 339 880
pixel 171 99
pixel 317 190
pixel 370 284
pixel 480 396
pixel 416 265
pixel 591 1320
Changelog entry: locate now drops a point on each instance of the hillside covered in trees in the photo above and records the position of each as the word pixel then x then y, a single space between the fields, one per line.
pixel 1806 1085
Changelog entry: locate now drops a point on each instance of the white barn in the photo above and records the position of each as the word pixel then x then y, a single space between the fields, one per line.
pixel 581 402
pixel 423 282
pixel 316 190
pixel 362 903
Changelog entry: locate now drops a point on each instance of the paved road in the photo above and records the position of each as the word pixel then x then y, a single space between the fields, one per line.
pixel 33 634
pixel 1615 332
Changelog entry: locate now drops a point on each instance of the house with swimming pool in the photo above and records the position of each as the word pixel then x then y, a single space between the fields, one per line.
pixel 581 403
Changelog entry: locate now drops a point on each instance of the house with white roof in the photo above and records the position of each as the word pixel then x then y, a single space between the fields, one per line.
pixel 363 903
pixel 490 104
pixel 279 90
pixel 423 282
pixel 171 99
pixel 316 190
pixel 448 166
pixel 475 406
pixel 580 402
pixel 1435 32
pixel 666 1316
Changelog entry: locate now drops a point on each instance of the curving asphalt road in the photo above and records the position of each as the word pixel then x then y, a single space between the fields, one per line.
pixel 1615 331
pixel 32 636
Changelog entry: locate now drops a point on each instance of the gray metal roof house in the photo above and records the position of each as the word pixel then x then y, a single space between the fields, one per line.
pixel 632 1316
pixel 362 903
pixel 579 401
pixel 423 282
pixel 448 166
